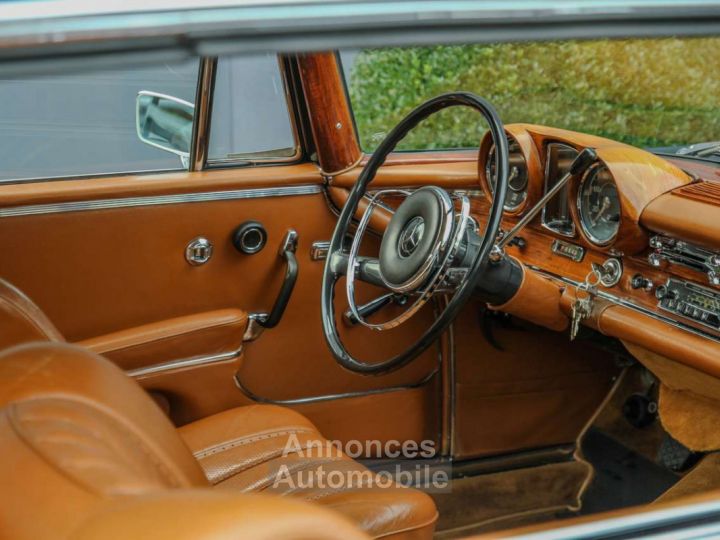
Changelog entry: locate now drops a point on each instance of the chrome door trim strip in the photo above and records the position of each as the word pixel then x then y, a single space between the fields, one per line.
pixel 631 305
pixel 194 361
pixel 448 443
pixel 331 397
pixel 155 200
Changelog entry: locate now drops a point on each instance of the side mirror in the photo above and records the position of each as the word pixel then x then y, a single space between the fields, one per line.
pixel 165 122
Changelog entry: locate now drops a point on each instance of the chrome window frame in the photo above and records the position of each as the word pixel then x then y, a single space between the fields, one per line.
pixel 198 159
pixel 204 95
pixel 250 161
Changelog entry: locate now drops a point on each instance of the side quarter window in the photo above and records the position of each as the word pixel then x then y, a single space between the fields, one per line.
pixel 85 123
pixel 250 119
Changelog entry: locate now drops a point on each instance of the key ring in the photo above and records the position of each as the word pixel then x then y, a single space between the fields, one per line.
pixel 588 285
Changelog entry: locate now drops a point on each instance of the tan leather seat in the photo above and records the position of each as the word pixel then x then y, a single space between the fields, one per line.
pixel 76 434
pixel 87 454
pixel 243 449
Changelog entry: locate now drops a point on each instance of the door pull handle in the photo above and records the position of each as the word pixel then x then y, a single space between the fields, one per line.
pixel 288 247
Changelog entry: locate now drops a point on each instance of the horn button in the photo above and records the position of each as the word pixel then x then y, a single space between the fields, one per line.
pixel 410 236
pixel 413 238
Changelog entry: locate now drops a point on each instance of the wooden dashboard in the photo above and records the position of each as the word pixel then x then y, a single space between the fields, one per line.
pixel 640 177
pixel 657 198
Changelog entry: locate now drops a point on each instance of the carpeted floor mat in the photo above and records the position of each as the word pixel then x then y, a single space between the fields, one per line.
pixel 622 476
pixel 645 441
pixel 507 499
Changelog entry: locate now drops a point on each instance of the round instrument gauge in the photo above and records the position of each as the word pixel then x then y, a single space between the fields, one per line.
pixel 517 176
pixel 599 206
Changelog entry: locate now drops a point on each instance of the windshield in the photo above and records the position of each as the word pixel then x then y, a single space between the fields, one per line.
pixel 648 93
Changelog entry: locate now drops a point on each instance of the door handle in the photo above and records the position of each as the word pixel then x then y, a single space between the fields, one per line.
pixel 288 247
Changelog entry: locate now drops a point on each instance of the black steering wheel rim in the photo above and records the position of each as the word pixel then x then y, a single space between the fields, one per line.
pixel 465 289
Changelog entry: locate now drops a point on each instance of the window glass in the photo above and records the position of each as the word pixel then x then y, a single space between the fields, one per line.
pixel 84 123
pixel 654 92
pixel 250 117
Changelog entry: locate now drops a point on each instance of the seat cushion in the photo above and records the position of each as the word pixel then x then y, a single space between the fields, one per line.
pixel 274 450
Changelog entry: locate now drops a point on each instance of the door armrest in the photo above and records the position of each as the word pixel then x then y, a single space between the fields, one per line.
pixel 208 334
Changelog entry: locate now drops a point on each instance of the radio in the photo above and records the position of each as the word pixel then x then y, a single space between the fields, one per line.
pixel 691 301
pixel 670 250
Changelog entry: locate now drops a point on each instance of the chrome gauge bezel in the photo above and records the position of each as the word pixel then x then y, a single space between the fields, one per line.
pixel 579 206
pixel 513 146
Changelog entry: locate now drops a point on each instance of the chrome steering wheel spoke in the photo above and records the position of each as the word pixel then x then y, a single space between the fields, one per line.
pixel 438 265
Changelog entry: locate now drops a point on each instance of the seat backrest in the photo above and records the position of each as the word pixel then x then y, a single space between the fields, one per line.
pixel 21 320
pixel 75 431
pixel 87 454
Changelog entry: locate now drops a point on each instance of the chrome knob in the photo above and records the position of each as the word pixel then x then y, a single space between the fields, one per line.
pixel 638 281
pixel 663 292
pixel 655 242
pixel 198 251
pixel 655 259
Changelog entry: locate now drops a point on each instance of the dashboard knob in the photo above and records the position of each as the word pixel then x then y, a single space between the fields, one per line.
pixel 655 259
pixel 656 242
pixel 638 281
pixel 662 292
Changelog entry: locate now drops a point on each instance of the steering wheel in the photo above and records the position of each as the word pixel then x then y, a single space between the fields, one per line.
pixel 428 247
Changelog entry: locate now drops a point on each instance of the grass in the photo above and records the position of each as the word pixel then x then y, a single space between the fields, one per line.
pixel 654 92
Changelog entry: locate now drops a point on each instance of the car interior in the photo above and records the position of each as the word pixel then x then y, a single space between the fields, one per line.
pixel 543 309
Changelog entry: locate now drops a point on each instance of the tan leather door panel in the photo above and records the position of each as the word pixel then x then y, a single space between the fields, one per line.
pixel 121 265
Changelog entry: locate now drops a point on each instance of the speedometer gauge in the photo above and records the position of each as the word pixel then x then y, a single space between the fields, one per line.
pixel 517 175
pixel 599 206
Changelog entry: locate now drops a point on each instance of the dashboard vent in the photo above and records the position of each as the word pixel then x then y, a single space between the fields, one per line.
pixel 701 191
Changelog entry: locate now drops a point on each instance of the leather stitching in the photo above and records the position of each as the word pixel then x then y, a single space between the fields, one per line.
pixel 323 494
pixel 254 462
pixel 242 441
pixel 265 483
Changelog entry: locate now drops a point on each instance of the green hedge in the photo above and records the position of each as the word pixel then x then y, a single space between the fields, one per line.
pixel 643 92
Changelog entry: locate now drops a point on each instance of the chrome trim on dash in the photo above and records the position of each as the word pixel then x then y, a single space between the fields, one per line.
pixel 319 250
pixel 128 202
pixel 631 305
pixel 195 361
pixel 330 397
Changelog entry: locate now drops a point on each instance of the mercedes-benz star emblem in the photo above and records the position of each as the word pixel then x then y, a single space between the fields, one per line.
pixel 411 236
